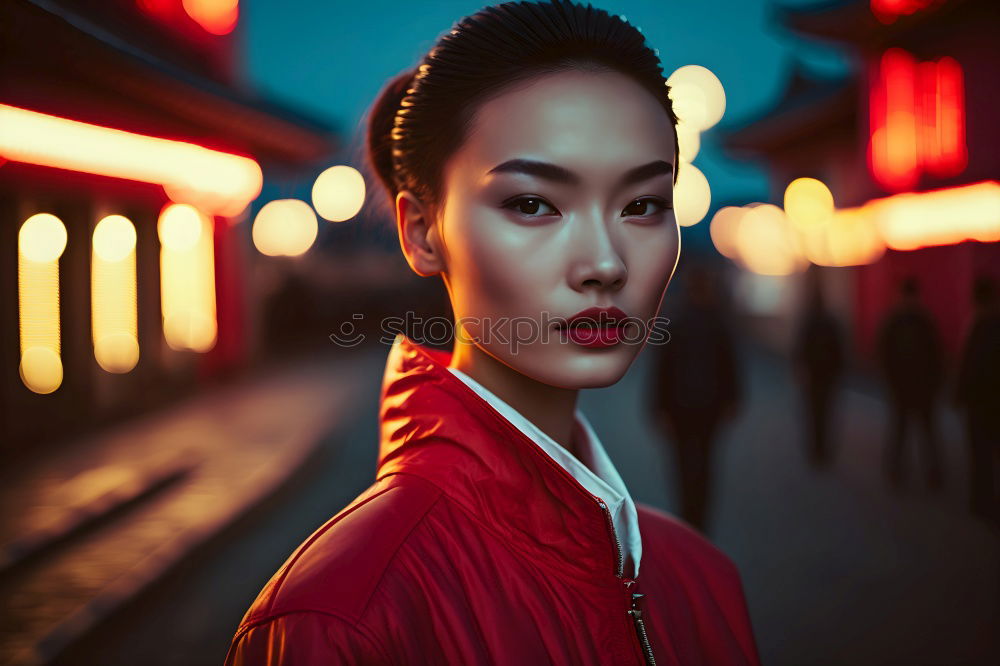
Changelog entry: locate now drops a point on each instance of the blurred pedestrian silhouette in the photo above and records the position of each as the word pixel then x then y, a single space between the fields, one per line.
pixel 912 363
pixel 818 358
pixel 977 393
pixel 696 388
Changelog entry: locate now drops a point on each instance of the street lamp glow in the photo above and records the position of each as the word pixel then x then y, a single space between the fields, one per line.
pixel 284 227
pixel 338 193
pixel 808 203
pixel 697 95
pixel 692 195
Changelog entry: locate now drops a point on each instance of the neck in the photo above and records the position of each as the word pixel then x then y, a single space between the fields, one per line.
pixel 549 407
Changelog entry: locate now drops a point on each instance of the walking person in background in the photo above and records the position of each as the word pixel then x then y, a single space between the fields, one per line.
pixel 912 362
pixel 695 389
pixel 977 394
pixel 818 359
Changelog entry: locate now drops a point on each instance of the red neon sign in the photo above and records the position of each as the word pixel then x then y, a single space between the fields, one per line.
pixel 916 119
pixel 887 11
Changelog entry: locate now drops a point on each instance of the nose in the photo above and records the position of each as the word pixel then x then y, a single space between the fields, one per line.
pixel 596 264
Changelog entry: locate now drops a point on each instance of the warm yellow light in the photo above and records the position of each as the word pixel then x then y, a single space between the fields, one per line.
pixel 114 320
pixel 849 239
pixel 339 193
pixel 723 229
pixel 808 203
pixel 284 227
pixel 216 181
pixel 215 16
pixel 688 141
pixel 114 238
pixel 187 278
pixel 180 227
pixel 697 95
pixel 766 242
pixel 42 238
pixel 41 369
pixel 692 195
pixel 939 217
pixel 41 241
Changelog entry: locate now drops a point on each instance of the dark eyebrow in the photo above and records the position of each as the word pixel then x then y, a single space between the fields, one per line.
pixel 558 174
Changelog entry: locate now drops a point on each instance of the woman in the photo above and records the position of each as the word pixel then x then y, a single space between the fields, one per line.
pixel 530 160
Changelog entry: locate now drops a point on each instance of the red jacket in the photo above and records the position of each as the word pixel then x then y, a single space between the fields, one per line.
pixel 473 546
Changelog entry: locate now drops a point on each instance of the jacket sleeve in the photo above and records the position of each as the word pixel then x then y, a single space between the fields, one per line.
pixel 303 639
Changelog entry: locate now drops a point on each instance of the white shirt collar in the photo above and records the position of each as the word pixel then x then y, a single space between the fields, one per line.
pixel 602 481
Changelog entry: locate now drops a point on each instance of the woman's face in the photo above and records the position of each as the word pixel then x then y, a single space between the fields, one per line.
pixel 561 199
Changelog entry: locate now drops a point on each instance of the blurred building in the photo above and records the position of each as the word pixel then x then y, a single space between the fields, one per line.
pixel 130 151
pixel 907 147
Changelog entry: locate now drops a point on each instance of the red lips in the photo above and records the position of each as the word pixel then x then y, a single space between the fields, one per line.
pixel 595 327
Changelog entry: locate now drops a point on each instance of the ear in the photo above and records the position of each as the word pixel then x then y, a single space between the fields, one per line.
pixel 418 236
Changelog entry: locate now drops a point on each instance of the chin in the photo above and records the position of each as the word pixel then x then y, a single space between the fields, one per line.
pixel 574 367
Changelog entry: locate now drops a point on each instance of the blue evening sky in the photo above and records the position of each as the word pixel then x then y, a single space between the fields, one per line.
pixel 331 57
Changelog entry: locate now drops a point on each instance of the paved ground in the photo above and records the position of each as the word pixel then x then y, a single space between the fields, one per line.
pixel 129 503
pixel 836 569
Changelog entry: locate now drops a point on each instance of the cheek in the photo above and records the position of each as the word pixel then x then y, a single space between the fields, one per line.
pixel 494 265
pixel 653 261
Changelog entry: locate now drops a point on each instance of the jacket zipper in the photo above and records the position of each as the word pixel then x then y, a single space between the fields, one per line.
pixel 634 611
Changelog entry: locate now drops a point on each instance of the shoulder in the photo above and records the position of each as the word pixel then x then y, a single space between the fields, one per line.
pixel 335 571
pixel 691 555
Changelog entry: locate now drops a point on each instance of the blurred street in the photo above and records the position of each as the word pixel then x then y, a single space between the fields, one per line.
pixel 197 198
pixel 829 560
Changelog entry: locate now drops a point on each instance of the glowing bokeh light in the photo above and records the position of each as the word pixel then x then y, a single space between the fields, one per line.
pixel 114 238
pixel 688 141
pixel 339 193
pixel 849 239
pixel 187 278
pixel 808 203
pixel 180 226
pixel 284 227
pixel 41 369
pixel 887 11
pixel 939 217
pixel 114 320
pixel 766 242
pixel 215 16
pixel 41 241
pixel 42 238
pixel 697 95
pixel 215 181
pixel 916 118
pixel 692 195
pixel 723 229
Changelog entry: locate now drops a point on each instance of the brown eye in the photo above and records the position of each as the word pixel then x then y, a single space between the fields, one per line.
pixel 529 206
pixel 640 207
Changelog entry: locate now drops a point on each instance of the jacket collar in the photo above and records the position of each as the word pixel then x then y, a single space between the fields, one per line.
pixel 435 426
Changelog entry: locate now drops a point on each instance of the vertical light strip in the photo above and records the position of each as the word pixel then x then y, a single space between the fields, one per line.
pixel 113 295
pixel 40 242
pixel 187 278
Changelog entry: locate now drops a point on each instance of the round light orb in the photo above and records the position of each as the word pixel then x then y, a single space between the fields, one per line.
pixel 180 226
pixel 284 227
pixel 41 369
pixel 808 203
pixel 692 195
pixel 338 193
pixel 42 238
pixel 697 95
pixel 114 238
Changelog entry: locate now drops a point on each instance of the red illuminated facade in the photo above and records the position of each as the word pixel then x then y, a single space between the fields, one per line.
pixel 917 116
